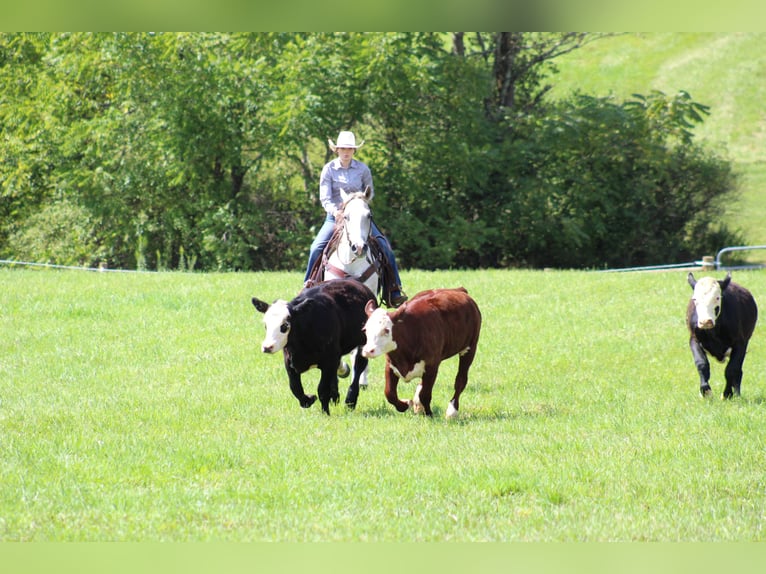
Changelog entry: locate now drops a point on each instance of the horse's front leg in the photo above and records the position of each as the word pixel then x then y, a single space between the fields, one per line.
pixel 360 368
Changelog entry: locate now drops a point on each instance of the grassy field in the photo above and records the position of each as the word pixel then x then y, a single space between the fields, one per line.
pixel 137 407
pixel 725 71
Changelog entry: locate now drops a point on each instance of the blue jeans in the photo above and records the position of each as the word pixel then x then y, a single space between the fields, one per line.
pixel 324 235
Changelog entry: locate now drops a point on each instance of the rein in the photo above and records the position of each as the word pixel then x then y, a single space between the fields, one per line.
pixel 340 274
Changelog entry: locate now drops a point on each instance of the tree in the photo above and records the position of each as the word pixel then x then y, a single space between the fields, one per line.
pixel 203 151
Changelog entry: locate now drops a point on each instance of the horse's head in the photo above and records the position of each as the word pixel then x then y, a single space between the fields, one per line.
pixel 356 218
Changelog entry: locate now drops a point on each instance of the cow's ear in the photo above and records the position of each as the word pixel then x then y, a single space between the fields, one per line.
pixel 262 306
pixel 370 307
pixel 690 278
pixel 725 283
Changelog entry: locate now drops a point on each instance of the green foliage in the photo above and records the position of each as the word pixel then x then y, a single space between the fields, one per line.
pixel 719 69
pixel 207 148
pixel 602 183
pixel 61 233
pixel 674 116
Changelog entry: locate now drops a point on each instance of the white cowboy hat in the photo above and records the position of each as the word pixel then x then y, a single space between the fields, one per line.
pixel 345 139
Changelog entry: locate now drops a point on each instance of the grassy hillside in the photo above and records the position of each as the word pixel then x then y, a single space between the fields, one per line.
pixel 726 71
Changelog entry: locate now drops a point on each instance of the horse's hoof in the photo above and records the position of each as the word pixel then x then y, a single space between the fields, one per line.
pixel 344 370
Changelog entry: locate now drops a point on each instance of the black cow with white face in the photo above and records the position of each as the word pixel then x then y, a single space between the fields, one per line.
pixel 721 317
pixel 316 329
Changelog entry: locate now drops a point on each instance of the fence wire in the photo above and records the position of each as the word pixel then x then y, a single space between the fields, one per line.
pixel 100 269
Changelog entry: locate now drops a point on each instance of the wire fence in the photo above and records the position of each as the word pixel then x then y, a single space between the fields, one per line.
pixel 706 262
pixel 99 269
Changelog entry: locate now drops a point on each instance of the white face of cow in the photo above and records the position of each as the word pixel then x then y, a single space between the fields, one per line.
pixel 277 322
pixel 707 302
pixel 379 332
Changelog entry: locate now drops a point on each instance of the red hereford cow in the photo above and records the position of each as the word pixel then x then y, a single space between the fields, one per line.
pixel 432 326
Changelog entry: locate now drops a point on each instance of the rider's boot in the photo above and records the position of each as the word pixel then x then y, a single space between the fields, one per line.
pixel 398 296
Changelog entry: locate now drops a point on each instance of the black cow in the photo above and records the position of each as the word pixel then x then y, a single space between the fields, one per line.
pixel 721 317
pixel 316 329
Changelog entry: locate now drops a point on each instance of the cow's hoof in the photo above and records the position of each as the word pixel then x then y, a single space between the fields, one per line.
pixel 351 406
pixel 344 370
pixel 403 406
pixel 705 391
pixel 308 401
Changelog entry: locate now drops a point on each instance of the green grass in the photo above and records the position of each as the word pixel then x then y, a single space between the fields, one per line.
pixel 722 70
pixel 138 407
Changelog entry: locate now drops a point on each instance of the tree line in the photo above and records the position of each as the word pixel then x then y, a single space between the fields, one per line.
pixel 203 151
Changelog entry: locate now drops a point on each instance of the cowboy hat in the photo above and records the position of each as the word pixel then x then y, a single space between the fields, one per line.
pixel 345 139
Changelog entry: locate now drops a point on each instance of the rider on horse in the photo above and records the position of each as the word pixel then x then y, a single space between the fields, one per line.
pixel 348 174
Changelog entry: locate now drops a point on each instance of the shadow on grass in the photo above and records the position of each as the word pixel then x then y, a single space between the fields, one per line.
pixel 752 400
pixel 469 415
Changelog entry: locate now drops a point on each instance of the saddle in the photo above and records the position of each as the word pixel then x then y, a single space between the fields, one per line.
pixel 380 265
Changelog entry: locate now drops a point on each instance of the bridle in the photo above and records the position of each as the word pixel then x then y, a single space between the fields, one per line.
pixel 346 237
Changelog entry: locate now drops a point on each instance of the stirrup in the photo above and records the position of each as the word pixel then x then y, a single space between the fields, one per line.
pixel 399 299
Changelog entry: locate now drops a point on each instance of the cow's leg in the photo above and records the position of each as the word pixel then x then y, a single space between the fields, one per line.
pixel 422 400
pixel 360 368
pixel 392 380
pixel 297 387
pixel 328 385
pixel 733 371
pixel 461 380
pixel 702 364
